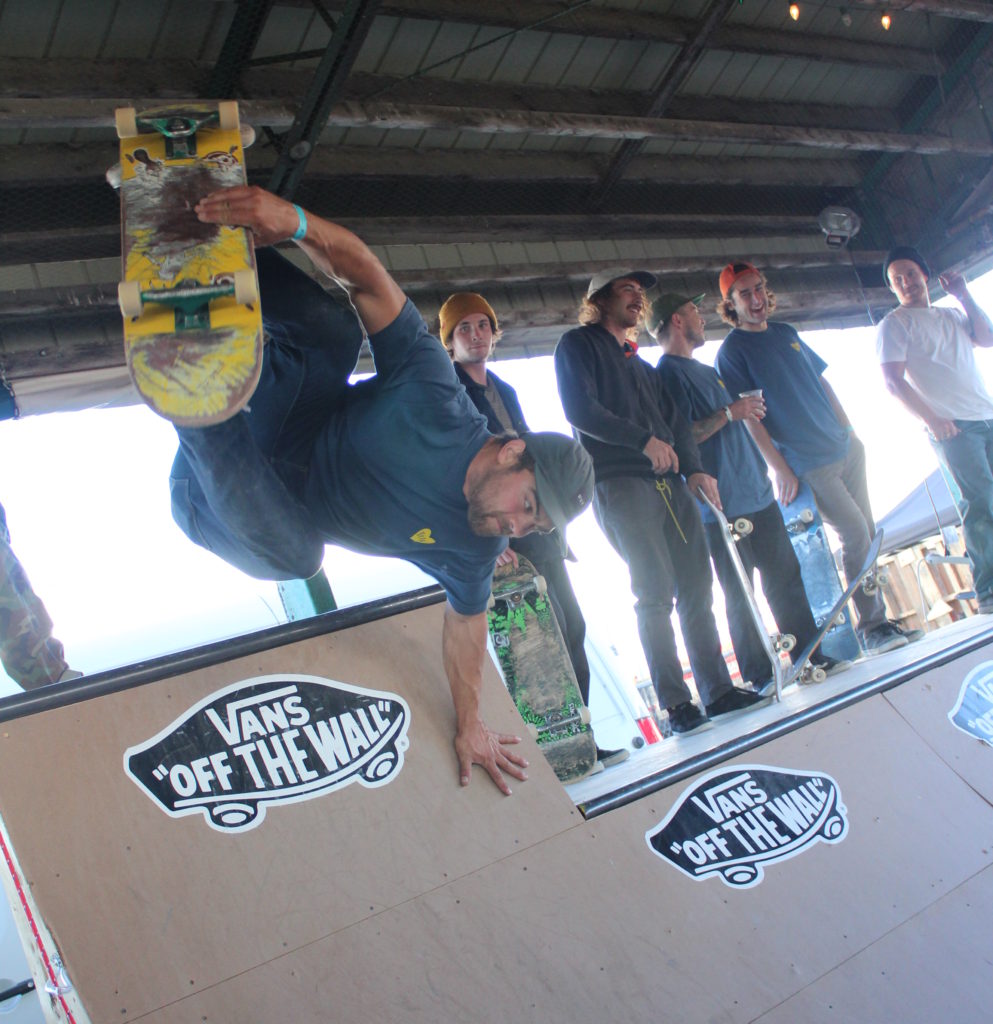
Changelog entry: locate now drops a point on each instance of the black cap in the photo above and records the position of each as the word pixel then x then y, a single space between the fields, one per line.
pixel 563 476
pixel 665 305
pixel 904 252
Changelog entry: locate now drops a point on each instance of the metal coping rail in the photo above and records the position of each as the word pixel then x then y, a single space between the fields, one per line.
pixel 100 684
pixel 733 748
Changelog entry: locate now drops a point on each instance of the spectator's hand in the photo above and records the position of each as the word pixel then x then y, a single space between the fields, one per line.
pixel 270 218
pixel 475 744
pixel 663 456
pixel 507 557
pixel 706 484
pixel 751 407
pixel 954 284
pixel 787 486
pixel 942 429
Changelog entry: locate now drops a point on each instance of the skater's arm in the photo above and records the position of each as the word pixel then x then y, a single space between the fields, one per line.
pixel 980 328
pixel 464 651
pixel 334 250
pixel 894 375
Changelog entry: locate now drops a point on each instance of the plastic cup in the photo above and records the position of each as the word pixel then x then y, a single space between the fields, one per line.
pixel 757 393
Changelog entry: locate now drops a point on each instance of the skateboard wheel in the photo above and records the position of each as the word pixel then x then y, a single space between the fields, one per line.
pixel 817 675
pixel 883 578
pixel 869 587
pixel 126 122
pixel 787 642
pixel 806 516
pixel 540 585
pixel 129 298
pixel 227 115
pixel 584 715
pixel 246 287
pixel 490 603
pixel 532 730
pixel 743 527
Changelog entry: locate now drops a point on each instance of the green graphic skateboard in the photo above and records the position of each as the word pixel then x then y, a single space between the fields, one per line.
pixel 537 670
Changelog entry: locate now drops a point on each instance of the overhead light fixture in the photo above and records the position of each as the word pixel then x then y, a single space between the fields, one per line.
pixel 839 224
pixel 846 18
pixel 795 12
pixel 886 21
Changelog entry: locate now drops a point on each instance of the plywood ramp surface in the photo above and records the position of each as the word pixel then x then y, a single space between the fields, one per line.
pixel 422 903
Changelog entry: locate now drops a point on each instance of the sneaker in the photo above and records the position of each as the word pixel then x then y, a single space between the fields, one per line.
pixel 68 674
pixel 687 718
pixel 829 664
pixel 763 689
pixel 608 758
pixel 735 702
pixel 986 604
pixel 885 637
pixel 910 634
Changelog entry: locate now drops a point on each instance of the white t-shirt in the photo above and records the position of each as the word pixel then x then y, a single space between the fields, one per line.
pixel 935 344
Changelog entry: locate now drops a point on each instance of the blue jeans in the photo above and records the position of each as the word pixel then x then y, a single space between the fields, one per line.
pixel 237 487
pixel 970 457
pixel 661 538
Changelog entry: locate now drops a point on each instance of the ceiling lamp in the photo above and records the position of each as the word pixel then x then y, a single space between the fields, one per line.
pixel 886 21
pixel 795 12
pixel 839 224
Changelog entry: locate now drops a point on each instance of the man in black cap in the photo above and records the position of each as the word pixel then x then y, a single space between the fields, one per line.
pixel 731 456
pixel 400 464
pixel 647 464
pixel 926 354
pixel 469 330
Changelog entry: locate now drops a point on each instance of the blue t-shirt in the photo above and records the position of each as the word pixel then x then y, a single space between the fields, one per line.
pixel 730 455
pixel 799 416
pixel 387 472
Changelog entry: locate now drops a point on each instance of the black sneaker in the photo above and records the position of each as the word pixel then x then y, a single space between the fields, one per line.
pixel 735 702
pixel 910 634
pixel 608 758
pixel 687 718
pixel 766 687
pixel 885 637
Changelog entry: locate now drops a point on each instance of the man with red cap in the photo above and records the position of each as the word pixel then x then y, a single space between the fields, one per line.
pixel 400 464
pixel 469 330
pixel 926 353
pixel 647 466
pixel 805 434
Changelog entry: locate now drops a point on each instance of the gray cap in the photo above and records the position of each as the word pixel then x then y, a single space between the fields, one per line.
pixel 665 305
pixel 563 476
pixel 601 280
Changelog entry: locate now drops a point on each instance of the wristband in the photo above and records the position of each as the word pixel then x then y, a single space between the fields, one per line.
pixel 727 412
pixel 301 231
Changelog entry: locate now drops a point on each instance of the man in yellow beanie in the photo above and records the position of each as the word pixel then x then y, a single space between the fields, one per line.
pixel 469 330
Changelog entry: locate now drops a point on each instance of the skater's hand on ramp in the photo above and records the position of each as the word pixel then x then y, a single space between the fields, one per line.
pixel 476 744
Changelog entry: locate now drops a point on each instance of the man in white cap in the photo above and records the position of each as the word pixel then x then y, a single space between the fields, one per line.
pixel 400 464
pixel 926 354
pixel 646 464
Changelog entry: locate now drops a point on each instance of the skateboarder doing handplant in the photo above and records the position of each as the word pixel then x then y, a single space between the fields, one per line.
pixel 647 464
pixel 927 359
pixel 805 434
pixel 469 330
pixel 729 454
pixel 399 465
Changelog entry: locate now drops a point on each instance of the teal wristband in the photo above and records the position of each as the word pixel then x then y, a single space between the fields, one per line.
pixel 301 231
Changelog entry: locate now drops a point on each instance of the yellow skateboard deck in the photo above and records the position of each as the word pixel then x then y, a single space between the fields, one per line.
pixel 189 297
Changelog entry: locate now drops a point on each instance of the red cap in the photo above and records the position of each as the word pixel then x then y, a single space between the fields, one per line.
pixel 731 273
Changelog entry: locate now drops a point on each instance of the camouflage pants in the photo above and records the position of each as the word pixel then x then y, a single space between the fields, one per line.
pixel 31 656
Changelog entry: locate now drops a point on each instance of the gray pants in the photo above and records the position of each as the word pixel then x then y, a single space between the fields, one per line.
pixel 842 495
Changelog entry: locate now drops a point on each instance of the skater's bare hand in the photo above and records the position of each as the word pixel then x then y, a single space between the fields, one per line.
pixel 751 407
pixel 706 484
pixel 476 744
pixel 942 429
pixel 663 456
pixel 507 557
pixel 269 218
pixel 787 486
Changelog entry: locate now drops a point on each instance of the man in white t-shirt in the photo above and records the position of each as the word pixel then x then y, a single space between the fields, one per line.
pixel 926 354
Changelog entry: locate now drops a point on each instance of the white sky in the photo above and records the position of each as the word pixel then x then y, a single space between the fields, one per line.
pixel 87 504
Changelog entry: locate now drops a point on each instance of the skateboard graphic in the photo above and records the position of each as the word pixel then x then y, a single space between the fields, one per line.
pixel 536 668
pixel 820 575
pixel 189 294
pixel 801 671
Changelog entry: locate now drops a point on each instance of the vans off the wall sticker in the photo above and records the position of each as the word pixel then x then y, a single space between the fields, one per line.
pixel 973 711
pixel 270 740
pixel 737 819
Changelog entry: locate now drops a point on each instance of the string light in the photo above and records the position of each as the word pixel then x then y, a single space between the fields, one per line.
pixel 886 21
pixel 795 12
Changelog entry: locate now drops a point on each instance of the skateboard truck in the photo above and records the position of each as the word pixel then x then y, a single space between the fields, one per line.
pixel 178 127
pixel 189 299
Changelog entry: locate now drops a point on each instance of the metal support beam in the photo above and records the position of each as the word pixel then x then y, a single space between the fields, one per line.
pixel 243 35
pixel 326 88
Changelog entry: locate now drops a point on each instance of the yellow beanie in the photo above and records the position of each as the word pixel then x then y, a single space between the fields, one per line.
pixel 457 307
